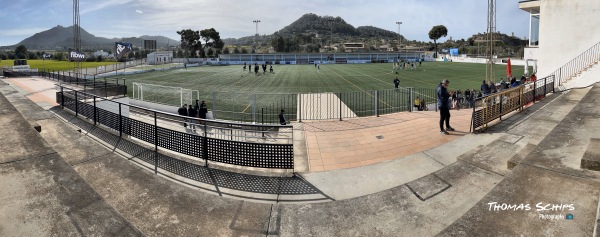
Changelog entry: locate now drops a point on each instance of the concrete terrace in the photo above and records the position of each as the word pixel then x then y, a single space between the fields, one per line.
pixel 74 179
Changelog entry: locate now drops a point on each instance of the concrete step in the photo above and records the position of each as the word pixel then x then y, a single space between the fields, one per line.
pixel 535 188
pixel 591 157
pixel 493 157
pixel 517 158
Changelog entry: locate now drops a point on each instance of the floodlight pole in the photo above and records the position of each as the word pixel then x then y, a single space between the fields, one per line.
pixel 256 35
pixel 331 20
pixel 399 23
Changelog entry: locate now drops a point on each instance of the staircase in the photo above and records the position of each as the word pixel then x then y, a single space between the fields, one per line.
pixel 577 67
pixel 546 154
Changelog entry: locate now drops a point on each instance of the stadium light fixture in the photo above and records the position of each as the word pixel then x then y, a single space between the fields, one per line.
pixel 399 23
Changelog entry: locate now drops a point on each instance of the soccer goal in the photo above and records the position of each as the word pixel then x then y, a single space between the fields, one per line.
pixel 167 95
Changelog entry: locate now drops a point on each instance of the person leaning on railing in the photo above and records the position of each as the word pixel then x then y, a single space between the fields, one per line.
pixel 417 103
pixel 423 106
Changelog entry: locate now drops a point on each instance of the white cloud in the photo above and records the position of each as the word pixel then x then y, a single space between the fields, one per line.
pixel 52 12
pixel 100 5
pixel 139 11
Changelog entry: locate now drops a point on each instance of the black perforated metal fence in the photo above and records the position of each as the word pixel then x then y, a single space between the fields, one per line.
pixel 214 141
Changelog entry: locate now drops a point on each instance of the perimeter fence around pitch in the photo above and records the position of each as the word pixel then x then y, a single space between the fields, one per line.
pixel 241 144
pixel 264 108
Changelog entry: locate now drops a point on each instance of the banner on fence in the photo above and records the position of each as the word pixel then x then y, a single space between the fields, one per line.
pixel 76 56
pixel 122 49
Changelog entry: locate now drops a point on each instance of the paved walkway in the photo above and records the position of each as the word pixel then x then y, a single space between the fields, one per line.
pixel 39 90
pixel 363 141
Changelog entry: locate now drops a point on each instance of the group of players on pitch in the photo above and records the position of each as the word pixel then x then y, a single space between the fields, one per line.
pixel 256 68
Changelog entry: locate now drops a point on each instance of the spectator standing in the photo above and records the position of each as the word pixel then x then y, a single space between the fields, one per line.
pixel 485 88
pixel 183 112
pixel 443 100
pixel 396 83
pixel 282 120
pixel 203 110
pixel 492 87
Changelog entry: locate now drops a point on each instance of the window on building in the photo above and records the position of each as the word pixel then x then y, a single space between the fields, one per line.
pixel 534 30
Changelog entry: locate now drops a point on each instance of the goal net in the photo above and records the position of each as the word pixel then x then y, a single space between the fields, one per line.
pixel 167 95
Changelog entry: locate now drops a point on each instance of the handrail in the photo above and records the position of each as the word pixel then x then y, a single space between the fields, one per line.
pixel 577 64
pixel 495 106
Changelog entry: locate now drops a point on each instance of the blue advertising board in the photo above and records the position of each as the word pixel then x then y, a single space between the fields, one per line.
pixel 454 51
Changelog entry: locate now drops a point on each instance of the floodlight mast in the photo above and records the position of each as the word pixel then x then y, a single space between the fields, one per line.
pixel 256 35
pixel 491 29
pixel 76 36
pixel 399 23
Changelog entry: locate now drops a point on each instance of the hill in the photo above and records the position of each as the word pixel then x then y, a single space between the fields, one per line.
pixel 61 38
pixel 321 26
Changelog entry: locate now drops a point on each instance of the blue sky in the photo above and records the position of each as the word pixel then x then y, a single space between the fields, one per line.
pixel 233 18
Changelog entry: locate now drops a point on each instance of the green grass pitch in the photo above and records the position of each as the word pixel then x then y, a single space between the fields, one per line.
pixel 234 88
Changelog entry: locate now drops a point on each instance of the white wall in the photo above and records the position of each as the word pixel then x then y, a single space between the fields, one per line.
pixel 567 29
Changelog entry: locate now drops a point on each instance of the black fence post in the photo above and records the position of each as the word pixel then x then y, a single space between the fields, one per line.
pixel 472 126
pixel 545 85
pixel 376 104
pixel 62 97
pixel 553 83
pixel 262 115
pixel 501 107
pixel 205 146
pixel 300 108
pixel 340 97
pixel 95 111
pixel 410 105
pixel 76 105
pixel 534 90
pixel 155 144
pixel 120 122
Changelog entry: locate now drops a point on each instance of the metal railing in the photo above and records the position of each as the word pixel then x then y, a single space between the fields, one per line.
pixel 264 108
pixel 492 107
pixel 251 145
pixel 577 65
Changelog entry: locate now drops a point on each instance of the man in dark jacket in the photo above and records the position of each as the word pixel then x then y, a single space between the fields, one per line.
pixel 183 112
pixel 396 83
pixel 443 101
pixel 485 88
pixel 203 110
pixel 282 120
